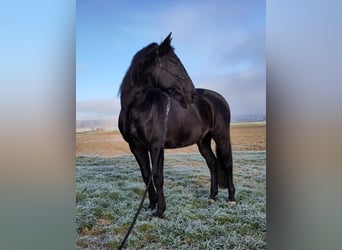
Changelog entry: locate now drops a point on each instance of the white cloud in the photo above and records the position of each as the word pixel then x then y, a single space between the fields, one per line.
pixel 97 109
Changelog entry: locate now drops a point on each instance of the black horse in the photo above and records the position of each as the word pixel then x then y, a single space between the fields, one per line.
pixel 160 108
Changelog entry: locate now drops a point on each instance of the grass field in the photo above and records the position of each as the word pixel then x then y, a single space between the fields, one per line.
pixel 109 190
pixel 109 143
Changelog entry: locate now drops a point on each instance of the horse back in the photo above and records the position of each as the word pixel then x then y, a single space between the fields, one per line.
pixel 185 127
pixel 216 105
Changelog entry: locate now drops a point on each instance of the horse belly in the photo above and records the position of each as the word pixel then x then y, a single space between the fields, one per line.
pixel 182 135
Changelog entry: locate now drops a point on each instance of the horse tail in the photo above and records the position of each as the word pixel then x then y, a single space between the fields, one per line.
pixel 222 174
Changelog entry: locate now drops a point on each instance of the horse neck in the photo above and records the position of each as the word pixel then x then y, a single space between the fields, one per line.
pixel 133 94
pixel 129 98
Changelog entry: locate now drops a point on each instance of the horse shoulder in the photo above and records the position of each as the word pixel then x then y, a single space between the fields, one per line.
pixel 147 116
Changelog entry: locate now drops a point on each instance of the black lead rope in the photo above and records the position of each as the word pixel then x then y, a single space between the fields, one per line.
pixel 136 215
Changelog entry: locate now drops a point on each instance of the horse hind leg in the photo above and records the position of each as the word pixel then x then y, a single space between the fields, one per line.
pixel 225 166
pixel 205 149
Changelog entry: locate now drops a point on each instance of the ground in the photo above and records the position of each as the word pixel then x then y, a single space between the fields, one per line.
pixel 109 188
pixel 244 137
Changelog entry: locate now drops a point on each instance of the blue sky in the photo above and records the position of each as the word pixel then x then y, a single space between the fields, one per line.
pixel 221 45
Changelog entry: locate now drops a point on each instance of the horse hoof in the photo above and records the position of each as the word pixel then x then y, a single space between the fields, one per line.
pixel 157 215
pixel 233 203
pixel 211 201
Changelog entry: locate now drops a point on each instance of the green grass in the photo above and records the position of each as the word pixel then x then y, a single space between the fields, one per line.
pixel 109 191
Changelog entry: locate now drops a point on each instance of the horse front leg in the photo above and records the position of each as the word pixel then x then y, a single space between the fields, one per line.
pixel 141 155
pixel 157 157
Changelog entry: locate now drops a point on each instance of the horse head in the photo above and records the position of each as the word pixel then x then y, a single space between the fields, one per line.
pixel 158 66
pixel 171 76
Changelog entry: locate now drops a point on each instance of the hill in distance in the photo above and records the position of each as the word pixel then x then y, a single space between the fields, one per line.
pixel 112 124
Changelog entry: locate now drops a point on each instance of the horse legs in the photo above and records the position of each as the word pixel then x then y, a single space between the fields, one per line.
pixel 205 149
pixel 141 155
pixel 157 157
pixel 224 156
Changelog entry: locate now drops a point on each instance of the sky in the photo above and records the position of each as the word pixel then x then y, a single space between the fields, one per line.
pixel 221 45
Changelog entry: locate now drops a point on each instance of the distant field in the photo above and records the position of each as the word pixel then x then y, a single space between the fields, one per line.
pixel 108 191
pixel 244 136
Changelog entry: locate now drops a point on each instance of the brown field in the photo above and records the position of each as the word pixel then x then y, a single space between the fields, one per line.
pixel 248 136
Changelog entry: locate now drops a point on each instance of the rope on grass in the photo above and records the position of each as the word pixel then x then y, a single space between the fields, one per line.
pixel 123 241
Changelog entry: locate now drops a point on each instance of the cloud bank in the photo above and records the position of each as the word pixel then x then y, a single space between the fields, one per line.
pixel 97 109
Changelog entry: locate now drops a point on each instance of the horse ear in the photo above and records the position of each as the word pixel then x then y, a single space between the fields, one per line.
pixel 165 46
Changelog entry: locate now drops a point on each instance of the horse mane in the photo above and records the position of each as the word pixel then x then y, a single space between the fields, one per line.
pixel 136 76
pixel 136 68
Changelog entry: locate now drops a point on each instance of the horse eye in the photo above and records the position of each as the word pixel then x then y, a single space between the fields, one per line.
pixel 172 91
pixel 174 61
